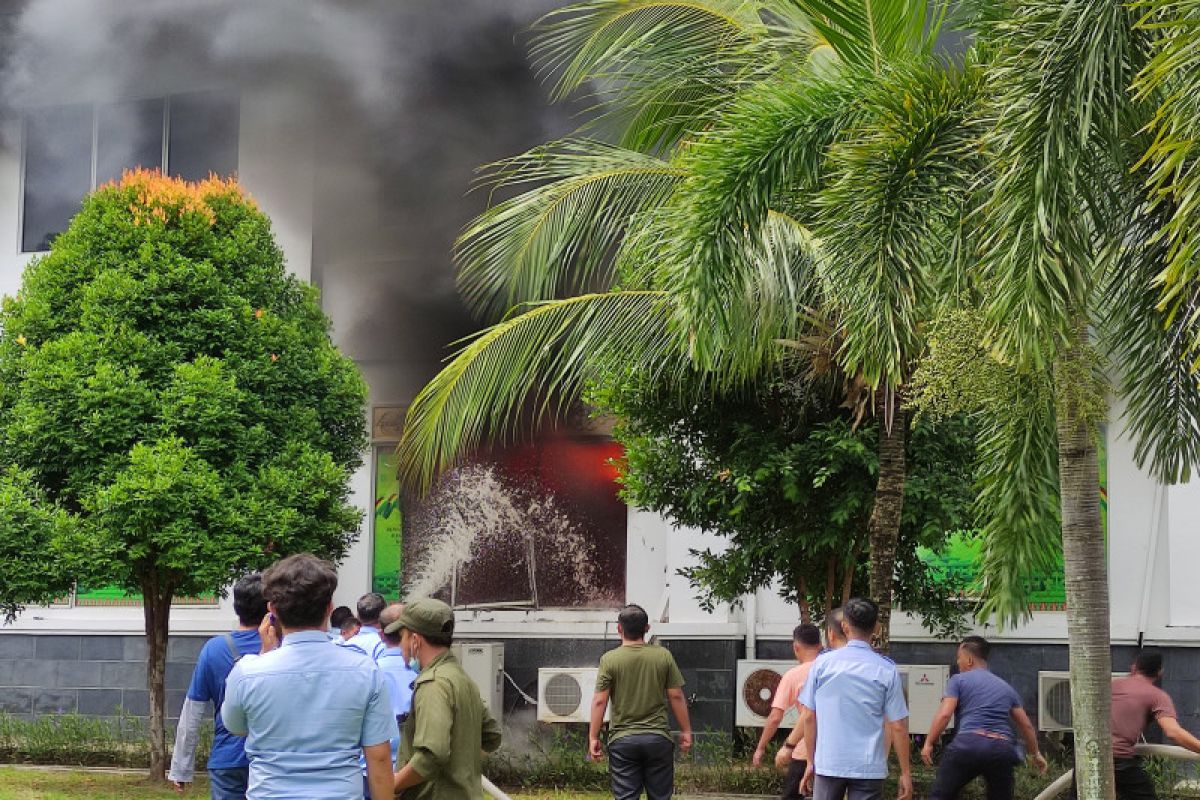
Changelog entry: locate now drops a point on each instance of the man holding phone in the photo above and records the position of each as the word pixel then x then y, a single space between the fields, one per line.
pixel 305 707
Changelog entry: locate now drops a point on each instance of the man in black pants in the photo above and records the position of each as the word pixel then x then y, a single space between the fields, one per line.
pixel 984 745
pixel 640 680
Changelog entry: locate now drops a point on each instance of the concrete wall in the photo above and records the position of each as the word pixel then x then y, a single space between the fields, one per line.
pixel 104 675
pixel 99 675
pixel 93 675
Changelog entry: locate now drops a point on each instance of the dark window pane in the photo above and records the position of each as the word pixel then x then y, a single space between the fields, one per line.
pixel 128 134
pixel 204 135
pixel 58 171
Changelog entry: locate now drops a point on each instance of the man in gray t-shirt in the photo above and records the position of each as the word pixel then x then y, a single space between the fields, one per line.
pixel 987 709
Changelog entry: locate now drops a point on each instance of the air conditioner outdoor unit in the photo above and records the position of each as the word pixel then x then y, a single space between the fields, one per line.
pixel 756 685
pixel 924 687
pixel 484 663
pixel 1054 700
pixel 565 694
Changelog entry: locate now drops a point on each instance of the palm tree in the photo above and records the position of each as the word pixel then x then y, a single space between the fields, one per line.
pixel 1084 215
pixel 782 156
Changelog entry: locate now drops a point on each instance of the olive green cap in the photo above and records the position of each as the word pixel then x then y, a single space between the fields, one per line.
pixel 426 616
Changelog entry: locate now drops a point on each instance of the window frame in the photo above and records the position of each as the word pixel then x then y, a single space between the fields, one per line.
pixel 165 147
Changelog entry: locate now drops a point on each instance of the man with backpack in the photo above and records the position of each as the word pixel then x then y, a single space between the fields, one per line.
pixel 228 768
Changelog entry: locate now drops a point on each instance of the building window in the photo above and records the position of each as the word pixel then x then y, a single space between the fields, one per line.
pixel 70 150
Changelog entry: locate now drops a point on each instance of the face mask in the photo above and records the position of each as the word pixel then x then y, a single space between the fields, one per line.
pixel 413 663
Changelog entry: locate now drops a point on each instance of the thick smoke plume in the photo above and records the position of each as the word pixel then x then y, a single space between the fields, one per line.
pixel 405 98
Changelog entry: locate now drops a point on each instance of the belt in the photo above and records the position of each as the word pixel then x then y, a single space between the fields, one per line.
pixel 1002 737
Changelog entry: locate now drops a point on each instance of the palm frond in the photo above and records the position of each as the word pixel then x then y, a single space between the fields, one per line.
pixel 873 33
pixel 558 237
pixel 658 67
pixel 1018 502
pixel 1150 352
pixel 526 366
pixel 1060 79
pixel 1172 79
pixel 771 143
pixel 891 218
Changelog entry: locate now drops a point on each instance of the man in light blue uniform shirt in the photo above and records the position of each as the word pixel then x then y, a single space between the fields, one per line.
pixel 399 676
pixel 368 638
pixel 849 695
pixel 308 708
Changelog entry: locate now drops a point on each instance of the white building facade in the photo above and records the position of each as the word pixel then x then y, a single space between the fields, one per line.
pixel 380 255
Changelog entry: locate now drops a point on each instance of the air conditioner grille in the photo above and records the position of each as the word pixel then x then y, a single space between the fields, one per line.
pixel 1058 703
pixel 562 694
pixel 759 689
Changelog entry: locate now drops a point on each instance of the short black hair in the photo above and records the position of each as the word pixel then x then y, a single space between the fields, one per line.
pixel 340 616
pixel 977 646
pixel 807 634
pixel 1149 662
pixel 439 639
pixel 301 587
pixel 370 606
pixel 833 621
pixel 634 621
pixel 248 602
pixel 862 614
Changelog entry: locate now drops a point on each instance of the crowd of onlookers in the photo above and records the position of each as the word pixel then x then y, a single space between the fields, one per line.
pixel 317 702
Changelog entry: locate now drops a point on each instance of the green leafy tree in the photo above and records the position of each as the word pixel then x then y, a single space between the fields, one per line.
pixel 175 406
pixel 782 473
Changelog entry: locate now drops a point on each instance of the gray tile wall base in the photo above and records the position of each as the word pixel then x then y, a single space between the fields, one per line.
pixel 104 675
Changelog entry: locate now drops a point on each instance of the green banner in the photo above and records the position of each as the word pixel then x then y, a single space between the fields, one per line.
pixel 388 526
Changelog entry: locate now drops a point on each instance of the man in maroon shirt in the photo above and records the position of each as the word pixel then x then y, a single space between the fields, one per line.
pixel 1136 702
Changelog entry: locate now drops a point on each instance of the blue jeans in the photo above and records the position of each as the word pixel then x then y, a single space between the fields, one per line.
pixel 229 783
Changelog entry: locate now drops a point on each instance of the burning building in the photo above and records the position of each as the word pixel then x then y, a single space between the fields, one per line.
pixel 357 127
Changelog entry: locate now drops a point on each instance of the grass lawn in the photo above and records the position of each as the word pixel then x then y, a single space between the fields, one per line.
pixel 65 784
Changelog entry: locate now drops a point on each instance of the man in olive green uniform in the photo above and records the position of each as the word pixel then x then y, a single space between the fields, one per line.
pixel 443 740
pixel 640 680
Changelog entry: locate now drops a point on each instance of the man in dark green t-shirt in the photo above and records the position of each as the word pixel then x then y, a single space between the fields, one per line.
pixel 640 680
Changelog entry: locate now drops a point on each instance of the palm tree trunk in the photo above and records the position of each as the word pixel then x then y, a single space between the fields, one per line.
pixel 1085 568
pixel 883 528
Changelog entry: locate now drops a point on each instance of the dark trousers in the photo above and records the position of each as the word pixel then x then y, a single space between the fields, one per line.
pixel 791 784
pixel 970 756
pixel 1133 782
pixel 642 761
pixel 829 788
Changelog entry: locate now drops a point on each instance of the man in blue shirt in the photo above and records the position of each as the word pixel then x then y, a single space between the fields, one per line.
pixel 849 695
pixel 368 638
pixel 228 768
pixel 984 744
pixel 399 676
pixel 305 707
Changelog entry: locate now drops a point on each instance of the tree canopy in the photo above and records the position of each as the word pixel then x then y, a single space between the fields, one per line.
pixel 780 471
pixel 172 404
